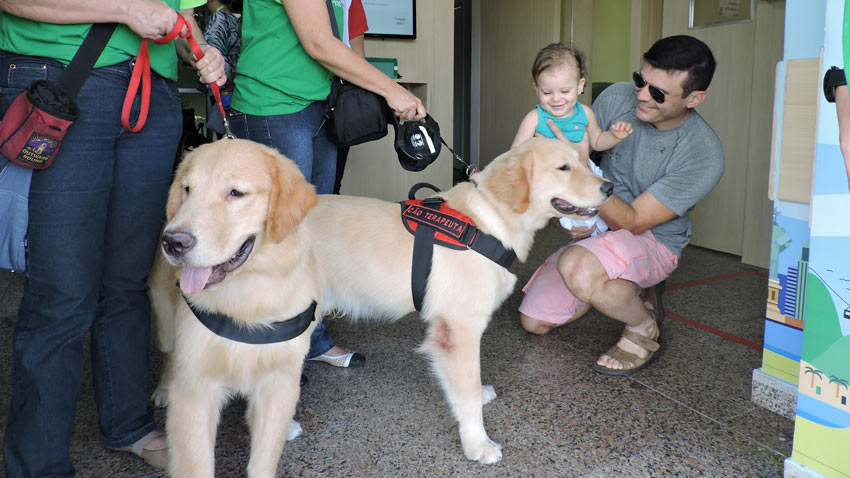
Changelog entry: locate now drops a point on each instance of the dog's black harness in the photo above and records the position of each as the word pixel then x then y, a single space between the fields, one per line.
pixel 224 326
pixel 431 222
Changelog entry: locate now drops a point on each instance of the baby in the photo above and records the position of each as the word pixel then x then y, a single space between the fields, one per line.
pixel 558 73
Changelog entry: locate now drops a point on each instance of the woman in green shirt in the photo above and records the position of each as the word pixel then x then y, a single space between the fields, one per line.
pixel 95 216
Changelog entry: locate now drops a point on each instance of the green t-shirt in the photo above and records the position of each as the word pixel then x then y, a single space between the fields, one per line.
pixel 275 75
pixel 61 42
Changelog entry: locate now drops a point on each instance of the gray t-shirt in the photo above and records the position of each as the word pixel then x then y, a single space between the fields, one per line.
pixel 678 166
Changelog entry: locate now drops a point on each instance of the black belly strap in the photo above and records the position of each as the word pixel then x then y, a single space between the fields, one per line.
pixel 431 222
pixel 224 326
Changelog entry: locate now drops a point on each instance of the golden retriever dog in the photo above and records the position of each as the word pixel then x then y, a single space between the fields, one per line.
pixel 234 240
pixel 365 253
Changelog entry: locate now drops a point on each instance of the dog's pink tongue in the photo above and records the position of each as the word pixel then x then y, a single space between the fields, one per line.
pixel 193 280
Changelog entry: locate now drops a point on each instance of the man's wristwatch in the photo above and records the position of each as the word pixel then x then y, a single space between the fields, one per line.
pixel 833 78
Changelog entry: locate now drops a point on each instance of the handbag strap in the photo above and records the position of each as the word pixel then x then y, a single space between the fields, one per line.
pixel 81 65
pixel 334 26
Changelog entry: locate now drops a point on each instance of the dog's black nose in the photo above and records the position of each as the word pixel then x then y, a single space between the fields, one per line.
pixel 175 244
pixel 607 188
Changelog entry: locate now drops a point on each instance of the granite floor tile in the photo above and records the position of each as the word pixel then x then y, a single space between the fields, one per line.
pixel 687 415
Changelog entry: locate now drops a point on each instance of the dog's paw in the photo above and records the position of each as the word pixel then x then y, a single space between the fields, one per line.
pixel 488 394
pixel 160 396
pixel 485 452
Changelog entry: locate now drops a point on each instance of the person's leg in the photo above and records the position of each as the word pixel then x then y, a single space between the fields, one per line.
pixel 324 151
pixel 291 134
pixel 609 273
pixel 120 336
pixel 320 341
pixel 67 206
pixel 341 159
pixel 300 137
pixel 548 303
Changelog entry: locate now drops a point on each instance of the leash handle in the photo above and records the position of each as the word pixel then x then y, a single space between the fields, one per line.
pixel 142 75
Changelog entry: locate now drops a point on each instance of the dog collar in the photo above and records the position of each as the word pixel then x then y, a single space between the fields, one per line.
pixel 224 326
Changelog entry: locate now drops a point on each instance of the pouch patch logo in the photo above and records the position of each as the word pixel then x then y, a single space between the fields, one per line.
pixel 38 149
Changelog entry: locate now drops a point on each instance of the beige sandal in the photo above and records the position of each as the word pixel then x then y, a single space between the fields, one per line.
pixel 631 362
pixel 155 457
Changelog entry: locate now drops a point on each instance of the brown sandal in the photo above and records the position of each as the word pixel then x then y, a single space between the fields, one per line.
pixel 631 362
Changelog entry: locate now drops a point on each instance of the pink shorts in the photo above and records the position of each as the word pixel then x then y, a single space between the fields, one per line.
pixel 637 258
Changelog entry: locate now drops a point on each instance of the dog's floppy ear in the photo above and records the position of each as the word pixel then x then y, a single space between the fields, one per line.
pixel 175 192
pixel 290 199
pixel 509 182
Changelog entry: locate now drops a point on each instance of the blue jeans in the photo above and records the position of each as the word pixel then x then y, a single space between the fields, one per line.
pixel 299 136
pixel 95 217
pixel 302 138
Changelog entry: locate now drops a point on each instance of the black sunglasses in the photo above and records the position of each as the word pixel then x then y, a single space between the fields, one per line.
pixel 654 92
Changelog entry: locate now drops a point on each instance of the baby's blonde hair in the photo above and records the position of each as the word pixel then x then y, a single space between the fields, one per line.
pixel 557 54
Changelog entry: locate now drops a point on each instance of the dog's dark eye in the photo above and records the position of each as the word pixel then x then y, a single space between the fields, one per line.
pixel 565 167
pixel 186 189
pixel 236 194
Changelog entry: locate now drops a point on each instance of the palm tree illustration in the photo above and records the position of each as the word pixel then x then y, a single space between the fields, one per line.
pixel 839 382
pixel 814 372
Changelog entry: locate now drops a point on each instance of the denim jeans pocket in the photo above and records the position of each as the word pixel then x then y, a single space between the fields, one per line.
pixel 17 72
pixel 169 86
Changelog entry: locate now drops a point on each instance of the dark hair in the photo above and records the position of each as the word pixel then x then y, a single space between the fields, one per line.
pixel 684 53
pixel 557 54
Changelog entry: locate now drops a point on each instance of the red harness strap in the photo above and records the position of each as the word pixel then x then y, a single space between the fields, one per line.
pixel 142 74
pixel 432 221
pixel 453 229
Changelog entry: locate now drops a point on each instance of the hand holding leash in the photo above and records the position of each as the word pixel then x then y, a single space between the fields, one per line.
pixel 141 75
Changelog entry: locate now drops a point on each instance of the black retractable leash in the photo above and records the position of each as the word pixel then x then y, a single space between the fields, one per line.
pixel 469 168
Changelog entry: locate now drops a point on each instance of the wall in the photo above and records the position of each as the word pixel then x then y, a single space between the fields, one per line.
pixel 511 35
pixel 611 35
pixel 426 65
pixel 737 107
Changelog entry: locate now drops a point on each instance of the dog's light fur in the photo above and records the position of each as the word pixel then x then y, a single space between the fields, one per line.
pixel 222 194
pixel 365 253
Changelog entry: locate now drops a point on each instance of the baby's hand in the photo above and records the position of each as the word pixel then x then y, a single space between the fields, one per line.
pixel 621 130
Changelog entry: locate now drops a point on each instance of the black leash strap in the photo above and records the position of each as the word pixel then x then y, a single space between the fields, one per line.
pixel 224 326
pixel 81 65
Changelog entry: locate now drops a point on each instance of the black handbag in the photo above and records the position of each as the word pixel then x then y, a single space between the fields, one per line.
pixel 353 115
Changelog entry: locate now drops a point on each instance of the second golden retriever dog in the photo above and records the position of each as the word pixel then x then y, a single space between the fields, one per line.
pixel 365 253
pixel 245 266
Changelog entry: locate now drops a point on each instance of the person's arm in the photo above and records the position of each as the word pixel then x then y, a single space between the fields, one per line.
pixel 312 25
pixel 211 67
pixel 842 108
pixel 526 128
pixel 644 213
pixel 357 27
pixel 148 18
pixel 605 140
pixel 358 44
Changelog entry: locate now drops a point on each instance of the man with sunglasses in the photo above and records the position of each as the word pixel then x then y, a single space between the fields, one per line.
pixel 669 163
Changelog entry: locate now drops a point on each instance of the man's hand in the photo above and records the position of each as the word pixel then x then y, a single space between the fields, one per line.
pixel 582 147
pixel 210 68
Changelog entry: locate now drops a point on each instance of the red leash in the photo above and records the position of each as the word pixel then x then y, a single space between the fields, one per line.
pixel 142 74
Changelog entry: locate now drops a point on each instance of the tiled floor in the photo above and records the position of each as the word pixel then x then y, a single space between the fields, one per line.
pixel 687 415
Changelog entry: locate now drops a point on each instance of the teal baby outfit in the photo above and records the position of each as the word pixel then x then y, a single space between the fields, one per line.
pixel 572 126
